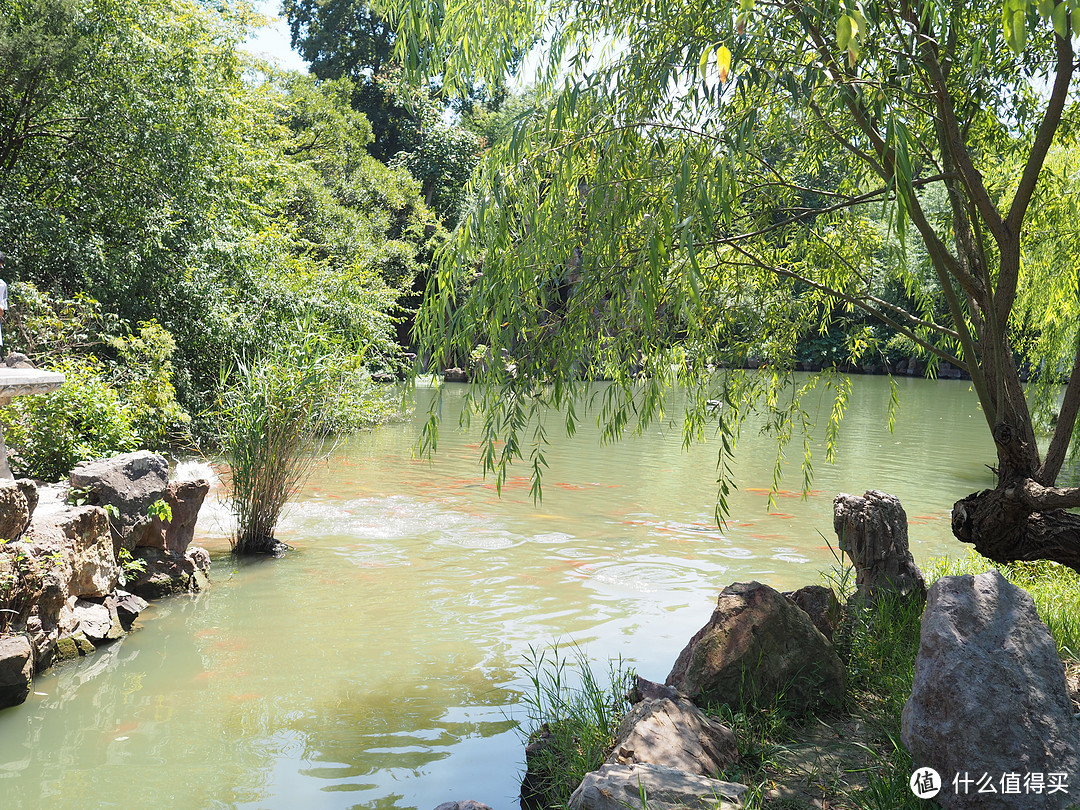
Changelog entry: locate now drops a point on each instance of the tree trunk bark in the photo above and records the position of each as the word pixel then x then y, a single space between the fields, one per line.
pixel 1004 530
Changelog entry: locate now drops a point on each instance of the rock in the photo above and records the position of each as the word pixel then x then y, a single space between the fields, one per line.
pixel 30 491
pixel 185 498
pixel 674 734
pixel 71 647
pixel 168 573
pixel 16 670
pixel 989 694
pixel 98 621
pixel 80 535
pixel 648 690
pixel 758 648
pixel 468 804
pixel 455 375
pixel 14 512
pixel 131 482
pixel 619 787
pixel 821 605
pixel 873 532
pixel 128 608
pixel 18 360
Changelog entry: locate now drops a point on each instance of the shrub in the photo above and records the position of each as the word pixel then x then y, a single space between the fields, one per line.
pixel 83 420
pixel 572 721
pixel 145 376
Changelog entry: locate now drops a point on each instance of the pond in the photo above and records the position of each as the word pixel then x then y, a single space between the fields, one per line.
pixel 379 664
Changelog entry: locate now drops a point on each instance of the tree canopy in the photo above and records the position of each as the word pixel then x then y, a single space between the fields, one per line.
pixel 155 177
pixel 712 181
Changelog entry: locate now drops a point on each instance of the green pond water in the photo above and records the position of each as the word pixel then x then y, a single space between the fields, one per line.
pixel 378 665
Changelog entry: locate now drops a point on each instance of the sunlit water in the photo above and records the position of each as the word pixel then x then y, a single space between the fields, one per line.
pixel 378 665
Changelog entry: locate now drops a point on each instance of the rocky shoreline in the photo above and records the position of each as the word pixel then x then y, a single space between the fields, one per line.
pixel 989 694
pixel 78 562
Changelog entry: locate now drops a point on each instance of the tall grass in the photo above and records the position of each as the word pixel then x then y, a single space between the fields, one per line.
pixel 272 423
pixel 572 718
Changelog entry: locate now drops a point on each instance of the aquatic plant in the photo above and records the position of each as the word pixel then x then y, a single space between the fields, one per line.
pixel 272 422
pixel 572 720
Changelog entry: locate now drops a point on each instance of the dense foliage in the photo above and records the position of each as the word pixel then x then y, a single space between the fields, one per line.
pixel 739 170
pixel 167 204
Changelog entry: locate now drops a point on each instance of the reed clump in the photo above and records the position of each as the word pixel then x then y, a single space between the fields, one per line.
pixel 272 425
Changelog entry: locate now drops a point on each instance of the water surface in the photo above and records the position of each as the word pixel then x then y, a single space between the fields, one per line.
pixel 378 665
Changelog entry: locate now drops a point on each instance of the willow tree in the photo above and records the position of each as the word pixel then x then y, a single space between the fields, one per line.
pixel 712 177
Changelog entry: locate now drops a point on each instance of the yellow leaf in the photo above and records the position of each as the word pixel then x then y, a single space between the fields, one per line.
pixel 723 62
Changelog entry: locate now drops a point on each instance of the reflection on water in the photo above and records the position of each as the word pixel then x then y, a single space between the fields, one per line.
pixel 377 665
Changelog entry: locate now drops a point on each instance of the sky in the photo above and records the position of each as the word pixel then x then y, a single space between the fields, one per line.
pixel 272 42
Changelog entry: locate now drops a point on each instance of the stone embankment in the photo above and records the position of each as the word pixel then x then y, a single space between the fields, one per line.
pixel 78 562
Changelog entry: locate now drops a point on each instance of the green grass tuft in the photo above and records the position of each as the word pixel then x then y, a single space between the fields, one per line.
pixel 571 723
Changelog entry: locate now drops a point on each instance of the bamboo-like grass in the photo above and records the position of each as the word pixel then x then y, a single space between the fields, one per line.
pixel 272 425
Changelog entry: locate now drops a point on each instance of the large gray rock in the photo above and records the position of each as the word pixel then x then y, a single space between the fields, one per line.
pixel 758 647
pixel 620 787
pixel 131 482
pixel 674 733
pixel 14 511
pixel 16 670
pixel 468 804
pixel 989 694
pixel 185 498
pixel 872 529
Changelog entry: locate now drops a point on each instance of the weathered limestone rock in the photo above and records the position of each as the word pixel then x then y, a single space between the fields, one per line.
pixel 14 512
pixel 756 648
pixel 168 573
pixel 821 605
pixel 873 532
pixel 80 536
pixel 130 482
pixel 468 804
pixel 29 490
pixel 98 620
pixel 71 647
pixel 989 694
pixel 16 670
pixel 674 733
pixel 619 787
pixel 185 498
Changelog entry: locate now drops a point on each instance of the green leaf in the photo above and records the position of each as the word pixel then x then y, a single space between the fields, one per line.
pixel 1060 17
pixel 843 32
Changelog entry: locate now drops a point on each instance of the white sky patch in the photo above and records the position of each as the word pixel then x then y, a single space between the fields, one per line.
pixel 272 41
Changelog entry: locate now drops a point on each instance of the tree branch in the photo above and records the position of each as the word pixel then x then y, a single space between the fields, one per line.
pixel 1063 430
pixel 1044 137
pixel 1038 498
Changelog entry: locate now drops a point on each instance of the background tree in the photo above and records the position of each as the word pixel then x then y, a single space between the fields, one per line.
pixel 168 204
pixel 715 176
